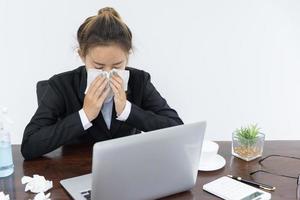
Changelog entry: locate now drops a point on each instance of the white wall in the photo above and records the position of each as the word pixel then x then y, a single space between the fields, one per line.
pixel 228 62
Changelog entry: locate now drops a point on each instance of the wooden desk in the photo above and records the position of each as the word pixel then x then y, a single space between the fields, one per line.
pixel 76 160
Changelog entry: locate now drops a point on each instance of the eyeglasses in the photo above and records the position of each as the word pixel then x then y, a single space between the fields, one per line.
pixel 276 155
pixel 279 174
pixel 274 173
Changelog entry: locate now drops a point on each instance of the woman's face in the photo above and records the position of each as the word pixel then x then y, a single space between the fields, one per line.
pixel 106 58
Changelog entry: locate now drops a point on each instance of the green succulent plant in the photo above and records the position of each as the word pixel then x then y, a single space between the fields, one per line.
pixel 247 135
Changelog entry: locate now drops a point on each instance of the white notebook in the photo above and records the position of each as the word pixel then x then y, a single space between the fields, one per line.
pixel 230 189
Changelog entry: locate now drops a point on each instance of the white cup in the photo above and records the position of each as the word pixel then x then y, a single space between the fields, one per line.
pixel 209 151
pixel 210 159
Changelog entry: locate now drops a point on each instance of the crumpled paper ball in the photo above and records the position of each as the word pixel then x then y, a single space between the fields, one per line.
pixel 36 184
pixel 3 196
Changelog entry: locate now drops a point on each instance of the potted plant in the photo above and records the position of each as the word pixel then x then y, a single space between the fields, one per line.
pixel 248 142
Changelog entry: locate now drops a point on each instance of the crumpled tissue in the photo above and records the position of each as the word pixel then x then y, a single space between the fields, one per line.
pixel 93 73
pixel 42 196
pixel 36 184
pixel 3 196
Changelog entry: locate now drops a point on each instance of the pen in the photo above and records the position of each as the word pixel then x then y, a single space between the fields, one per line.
pixel 252 183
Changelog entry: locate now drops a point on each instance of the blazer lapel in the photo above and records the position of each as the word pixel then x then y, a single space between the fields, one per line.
pixel 129 86
pixel 115 124
pixel 83 82
pixel 128 94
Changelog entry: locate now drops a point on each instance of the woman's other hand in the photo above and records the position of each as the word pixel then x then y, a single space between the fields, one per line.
pixel 116 83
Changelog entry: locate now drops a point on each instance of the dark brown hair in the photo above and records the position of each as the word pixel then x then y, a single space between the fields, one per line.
pixel 106 28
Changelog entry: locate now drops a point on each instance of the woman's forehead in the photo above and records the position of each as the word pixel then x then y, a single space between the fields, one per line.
pixel 111 54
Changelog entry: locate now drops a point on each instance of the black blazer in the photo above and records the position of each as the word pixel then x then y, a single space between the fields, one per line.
pixel 57 122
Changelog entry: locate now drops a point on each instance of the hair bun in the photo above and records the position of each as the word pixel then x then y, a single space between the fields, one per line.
pixel 106 28
pixel 109 11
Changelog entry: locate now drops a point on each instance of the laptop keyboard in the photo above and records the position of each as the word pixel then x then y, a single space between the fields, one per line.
pixel 86 194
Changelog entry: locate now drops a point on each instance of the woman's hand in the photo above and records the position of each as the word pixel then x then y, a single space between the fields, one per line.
pixel 116 84
pixel 95 97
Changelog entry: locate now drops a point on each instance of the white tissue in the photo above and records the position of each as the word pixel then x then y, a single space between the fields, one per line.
pixel 42 196
pixel 3 196
pixel 93 73
pixel 36 184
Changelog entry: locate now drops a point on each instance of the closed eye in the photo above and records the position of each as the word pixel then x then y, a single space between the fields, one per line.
pixel 98 66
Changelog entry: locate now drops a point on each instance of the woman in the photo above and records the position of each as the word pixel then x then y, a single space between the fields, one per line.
pixel 72 111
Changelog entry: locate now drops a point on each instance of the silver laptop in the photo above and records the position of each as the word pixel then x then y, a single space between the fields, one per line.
pixel 144 166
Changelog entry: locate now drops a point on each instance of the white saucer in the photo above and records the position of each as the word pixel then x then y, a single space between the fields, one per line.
pixel 214 164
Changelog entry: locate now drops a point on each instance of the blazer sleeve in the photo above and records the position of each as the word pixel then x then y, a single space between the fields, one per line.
pixel 48 130
pixel 154 112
